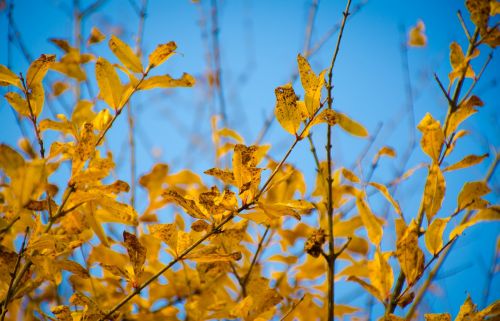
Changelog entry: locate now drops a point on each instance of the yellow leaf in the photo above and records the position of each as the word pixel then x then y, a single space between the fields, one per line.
pixel 293 207
pixel 11 162
pixel 288 111
pixel 488 214
pixel 312 85
pixel 464 111
pixel 437 317
pixel 383 189
pixel 467 311
pixel 225 176
pixel 381 274
pixel 59 87
pixel 109 84
pixel 8 78
pixel 351 126
pixel 432 137
pixel 166 81
pixel 459 63
pixel 114 211
pixel 479 13
pixel 434 235
pixel 96 36
pixel 187 204
pixel 242 309
pixel 18 103
pixel 434 190
pixel 136 252
pixel 125 54
pixel 387 151
pixel 161 54
pixel 184 240
pixel 409 254
pixel 470 195
pixel 417 37
pixel 350 175
pixel 73 267
pixel 165 232
pixel 371 223
pixel 36 98
pixel 341 310
pixel 84 148
pixel 467 161
pixel 38 69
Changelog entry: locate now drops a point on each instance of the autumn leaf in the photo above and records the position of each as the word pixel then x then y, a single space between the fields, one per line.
pixel 125 54
pixel 470 195
pixel 409 254
pixel 109 84
pixel 437 317
pixel 434 191
pixel 417 37
pixel 96 36
pixel 432 137
pixel 488 214
pixel 167 81
pixel 288 111
pixel 19 104
pixel 312 85
pixel 434 235
pixel 371 223
pixel 188 205
pixel 350 126
pixel 136 252
pixel 8 78
pixel 38 69
pixel 161 54
pixel 464 111
pixel 460 63
pixel 467 161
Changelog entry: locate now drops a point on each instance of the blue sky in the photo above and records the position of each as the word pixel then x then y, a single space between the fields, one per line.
pixel 259 44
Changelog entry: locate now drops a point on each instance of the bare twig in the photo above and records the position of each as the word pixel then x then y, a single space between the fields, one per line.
pixel 331 236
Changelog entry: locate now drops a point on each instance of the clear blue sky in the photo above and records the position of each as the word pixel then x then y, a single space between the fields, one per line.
pixel 259 44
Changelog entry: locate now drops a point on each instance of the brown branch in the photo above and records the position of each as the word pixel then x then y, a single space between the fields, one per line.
pixel 331 236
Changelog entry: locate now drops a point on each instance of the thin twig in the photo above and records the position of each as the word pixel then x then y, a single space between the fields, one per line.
pixel 331 236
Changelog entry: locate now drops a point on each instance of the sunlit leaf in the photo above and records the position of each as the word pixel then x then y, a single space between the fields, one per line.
pixel 487 214
pixel 166 81
pixel 288 111
pixel 161 54
pixel 351 126
pixel 38 69
pixel 434 191
pixel 125 54
pixel 312 85
pixel 371 223
pixel 434 235
pixel 409 254
pixel 8 78
pixel 109 84
pixel 417 37
pixel 136 252
pixel 467 161
pixel 432 137
pixel 470 195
